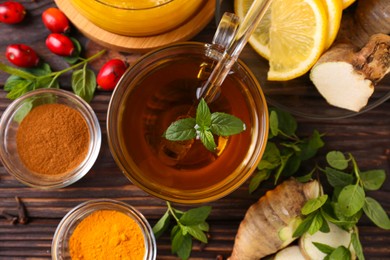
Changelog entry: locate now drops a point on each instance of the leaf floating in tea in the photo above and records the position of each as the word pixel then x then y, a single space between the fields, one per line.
pixel 204 127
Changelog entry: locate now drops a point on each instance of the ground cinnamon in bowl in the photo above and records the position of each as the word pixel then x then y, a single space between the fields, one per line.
pixel 49 138
pixel 52 139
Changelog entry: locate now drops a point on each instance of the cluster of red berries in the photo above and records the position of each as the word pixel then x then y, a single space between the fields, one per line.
pixel 57 42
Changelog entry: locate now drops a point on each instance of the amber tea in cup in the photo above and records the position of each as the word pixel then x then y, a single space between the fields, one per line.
pixel 162 87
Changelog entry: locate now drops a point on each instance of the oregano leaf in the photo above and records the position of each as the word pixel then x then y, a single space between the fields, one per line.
pixel 314 204
pixel 351 200
pixel 337 160
pixel 376 213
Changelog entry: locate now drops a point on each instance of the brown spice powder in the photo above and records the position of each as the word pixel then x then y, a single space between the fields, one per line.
pixel 52 139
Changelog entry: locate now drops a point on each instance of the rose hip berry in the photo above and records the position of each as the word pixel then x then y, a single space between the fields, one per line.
pixel 55 20
pixel 110 73
pixel 12 12
pixel 22 55
pixel 60 44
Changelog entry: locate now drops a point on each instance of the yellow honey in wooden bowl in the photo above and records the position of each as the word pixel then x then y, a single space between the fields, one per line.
pixel 138 17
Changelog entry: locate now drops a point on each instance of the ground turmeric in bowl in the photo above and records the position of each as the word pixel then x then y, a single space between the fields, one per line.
pixel 107 234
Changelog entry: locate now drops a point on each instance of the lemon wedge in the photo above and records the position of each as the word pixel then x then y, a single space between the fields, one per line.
pixel 292 37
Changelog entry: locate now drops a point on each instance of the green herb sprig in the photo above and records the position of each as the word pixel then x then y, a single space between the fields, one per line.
pixel 285 151
pixel 188 225
pixel 23 80
pixel 204 126
pixel 348 203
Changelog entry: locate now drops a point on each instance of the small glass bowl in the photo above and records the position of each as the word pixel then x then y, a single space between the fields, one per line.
pixel 60 243
pixel 9 124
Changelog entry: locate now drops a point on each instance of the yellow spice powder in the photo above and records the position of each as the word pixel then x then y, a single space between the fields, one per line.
pixel 107 234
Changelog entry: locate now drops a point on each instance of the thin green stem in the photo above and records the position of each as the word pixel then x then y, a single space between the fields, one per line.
pixel 16 72
pixel 84 61
pixel 355 169
pixel 172 212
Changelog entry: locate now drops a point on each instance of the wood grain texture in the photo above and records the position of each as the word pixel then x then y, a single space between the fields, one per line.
pixel 366 136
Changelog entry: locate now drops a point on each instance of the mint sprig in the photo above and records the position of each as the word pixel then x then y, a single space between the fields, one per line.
pixel 285 150
pixel 204 126
pixel 347 204
pixel 188 225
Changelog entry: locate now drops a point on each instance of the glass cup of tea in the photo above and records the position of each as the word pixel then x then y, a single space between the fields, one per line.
pixel 163 86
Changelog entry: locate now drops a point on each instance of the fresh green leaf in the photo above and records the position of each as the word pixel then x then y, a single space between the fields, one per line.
pixel 271 157
pixel 204 226
pixel 304 226
pixel 357 246
pixel 373 179
pixel 197 233
pixel 325 226
pixel 181 130
pixel 84 83
pixel 223 124
pixel 337 160
pixel 46 82
pixel 292 165
pixel 310 147
pixel 195 216
pixel 176 238
pixel 351 199
pixel 23 111
pixel 306 177
pixel 162 225
pixel 376 213
pixel 17 87
pixel 257 179
pixel 314 204
pixel 316 224
pixel 286 122
pixel 326 249
pixel 340 253
pixel 338 178
pixel 207 138
pixel 184 251
pixel 283 161
pixel 76 54
pixel 273 123
pixel 203 115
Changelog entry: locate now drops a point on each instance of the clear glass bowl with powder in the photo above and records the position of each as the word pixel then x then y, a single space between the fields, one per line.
pixel 61 246
pixel 11 151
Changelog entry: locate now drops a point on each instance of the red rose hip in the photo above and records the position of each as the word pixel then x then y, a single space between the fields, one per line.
pixel 60 44
pixel 22 55
pixel 110 73
pixel 12 12
pixel 55 20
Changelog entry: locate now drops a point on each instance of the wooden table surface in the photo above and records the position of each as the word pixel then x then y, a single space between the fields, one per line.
pixel 366 136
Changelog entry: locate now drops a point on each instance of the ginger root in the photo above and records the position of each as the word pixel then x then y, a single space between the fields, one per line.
pixel 268 224
pixel 345 76
pixel 347 73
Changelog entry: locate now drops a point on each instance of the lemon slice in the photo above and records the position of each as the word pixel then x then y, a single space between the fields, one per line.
pixel 292 37
pixel 347 3
pixel 260 37
pixel 334 10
